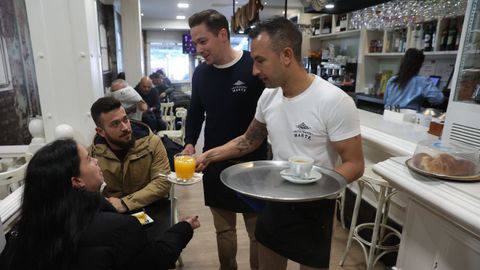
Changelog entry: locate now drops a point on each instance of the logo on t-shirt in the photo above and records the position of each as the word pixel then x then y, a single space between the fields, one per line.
pixel 302 131
pixel 239 86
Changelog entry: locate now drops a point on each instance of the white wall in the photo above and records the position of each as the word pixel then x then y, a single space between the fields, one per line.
pixel 65 45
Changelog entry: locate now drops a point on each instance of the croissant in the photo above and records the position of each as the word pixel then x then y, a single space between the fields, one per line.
pixel 444 164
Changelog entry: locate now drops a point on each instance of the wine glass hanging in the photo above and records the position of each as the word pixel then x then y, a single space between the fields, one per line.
pixel 401 13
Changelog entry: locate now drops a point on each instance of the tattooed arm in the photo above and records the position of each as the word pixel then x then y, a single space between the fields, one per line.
pixel 242 145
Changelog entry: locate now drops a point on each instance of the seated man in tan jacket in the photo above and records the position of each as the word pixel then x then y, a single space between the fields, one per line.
pixel 131 158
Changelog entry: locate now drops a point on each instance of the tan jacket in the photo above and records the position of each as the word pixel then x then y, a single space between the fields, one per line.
pixel 136 180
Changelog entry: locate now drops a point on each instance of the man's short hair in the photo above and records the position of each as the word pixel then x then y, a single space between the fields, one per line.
pixel 103 105
pixel 213 19
pixel 154 76
pixel 283 33
pixel 118 82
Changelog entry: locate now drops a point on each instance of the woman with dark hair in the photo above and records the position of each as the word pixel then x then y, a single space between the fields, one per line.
pixel 66 224
pixel 409 90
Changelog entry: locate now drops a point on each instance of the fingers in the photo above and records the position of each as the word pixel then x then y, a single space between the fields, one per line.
pixel 200 167
pixel 189 149
pixel 193 221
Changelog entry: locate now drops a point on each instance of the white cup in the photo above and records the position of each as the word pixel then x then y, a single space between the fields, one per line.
pixel 300 166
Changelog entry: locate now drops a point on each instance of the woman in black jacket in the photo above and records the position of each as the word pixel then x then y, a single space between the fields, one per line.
pixel 66 224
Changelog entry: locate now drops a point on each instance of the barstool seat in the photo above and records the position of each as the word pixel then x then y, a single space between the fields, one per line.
pixel 381 231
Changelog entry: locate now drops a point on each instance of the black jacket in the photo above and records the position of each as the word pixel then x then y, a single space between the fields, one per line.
pixel 117 241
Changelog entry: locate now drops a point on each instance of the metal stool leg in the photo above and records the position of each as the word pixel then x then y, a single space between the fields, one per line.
pixel 353 224
pixel 174 214
pixel 342 209
pixel 376 227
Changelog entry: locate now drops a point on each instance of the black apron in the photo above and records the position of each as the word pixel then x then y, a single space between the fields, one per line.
pixel 301 232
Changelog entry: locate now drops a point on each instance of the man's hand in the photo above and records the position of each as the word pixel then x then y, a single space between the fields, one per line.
pixel 193 221
pixel 189 149
pixel 201 162
pixel 118 204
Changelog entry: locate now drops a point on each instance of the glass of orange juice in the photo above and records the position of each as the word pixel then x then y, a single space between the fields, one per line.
pixel 184 166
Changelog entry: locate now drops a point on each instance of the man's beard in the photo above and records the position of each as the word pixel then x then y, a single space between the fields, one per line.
pixel 121 144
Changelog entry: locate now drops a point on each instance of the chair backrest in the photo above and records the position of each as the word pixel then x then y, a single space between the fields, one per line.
pixel 11 179
pixel 182 114
pixel 167 114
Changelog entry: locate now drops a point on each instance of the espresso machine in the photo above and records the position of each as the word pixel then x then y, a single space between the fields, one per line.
pixel 332 70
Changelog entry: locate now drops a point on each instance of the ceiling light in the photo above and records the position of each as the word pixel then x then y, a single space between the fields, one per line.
pixel 265 3
pixel 329 5
pixel 183 5
pixel 141 14
pixel 163 29
pixel 180 17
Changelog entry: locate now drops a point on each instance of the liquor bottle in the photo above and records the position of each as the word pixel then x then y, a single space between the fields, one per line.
pixel 403 42
pixel 414 35
pixel 396 41
pixel 419 39
pixel 459 35
pixel 427 38
pixel 452 35
pixel 444 36
pixel 343 22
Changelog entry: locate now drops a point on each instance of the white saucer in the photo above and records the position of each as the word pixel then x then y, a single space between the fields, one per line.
pixel 197 177
pixel 313 174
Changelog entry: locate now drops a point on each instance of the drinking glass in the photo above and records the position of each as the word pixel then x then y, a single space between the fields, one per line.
pixel 184 166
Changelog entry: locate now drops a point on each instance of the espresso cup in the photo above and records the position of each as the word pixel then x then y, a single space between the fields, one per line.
pixel 300 166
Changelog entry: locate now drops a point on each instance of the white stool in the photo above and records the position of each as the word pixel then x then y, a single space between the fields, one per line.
pixel 381 231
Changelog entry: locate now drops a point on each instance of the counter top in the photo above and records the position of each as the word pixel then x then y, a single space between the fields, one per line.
pixel 402 138
pixel 458 202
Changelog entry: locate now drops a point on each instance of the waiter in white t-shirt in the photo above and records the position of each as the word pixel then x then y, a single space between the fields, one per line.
pixel 302 114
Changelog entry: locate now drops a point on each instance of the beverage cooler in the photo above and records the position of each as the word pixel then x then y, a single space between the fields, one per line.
pixel 463 114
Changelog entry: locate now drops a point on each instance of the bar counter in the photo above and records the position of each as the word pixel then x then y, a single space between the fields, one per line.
pixel 441 219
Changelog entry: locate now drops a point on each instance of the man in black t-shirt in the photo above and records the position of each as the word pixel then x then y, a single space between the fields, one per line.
pixel 224 94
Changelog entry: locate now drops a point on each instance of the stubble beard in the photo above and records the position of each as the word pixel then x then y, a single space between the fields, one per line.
pixel 122 144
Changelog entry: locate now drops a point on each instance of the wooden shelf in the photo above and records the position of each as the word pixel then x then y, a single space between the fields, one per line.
pixel 427 54
pixel 348 33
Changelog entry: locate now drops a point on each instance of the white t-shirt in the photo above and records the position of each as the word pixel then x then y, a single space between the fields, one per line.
pixel 307 123
pixel 128 97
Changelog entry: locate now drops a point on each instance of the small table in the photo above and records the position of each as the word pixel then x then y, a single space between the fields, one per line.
pixel 262 180
pixel 172 178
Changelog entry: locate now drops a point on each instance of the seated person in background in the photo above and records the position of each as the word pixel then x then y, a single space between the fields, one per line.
pixel 132 158
pixel 407 89
pixel 158 84
pixel 166 80
pixel 131 100
pixel 67 224
pixel 121 75
pixel 179 99
pixel 152 117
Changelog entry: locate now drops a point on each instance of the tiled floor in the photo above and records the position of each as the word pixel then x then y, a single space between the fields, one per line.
pixel 201 252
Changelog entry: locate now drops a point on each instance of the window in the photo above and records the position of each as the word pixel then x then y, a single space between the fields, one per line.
pixel 170 58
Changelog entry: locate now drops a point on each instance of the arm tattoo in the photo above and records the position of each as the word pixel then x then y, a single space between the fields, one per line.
pixel 255 135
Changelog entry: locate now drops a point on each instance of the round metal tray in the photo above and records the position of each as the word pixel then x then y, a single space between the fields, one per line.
pixel 261 179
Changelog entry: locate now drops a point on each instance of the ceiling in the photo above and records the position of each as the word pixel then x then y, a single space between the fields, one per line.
pixel 158 14
pixel 168 10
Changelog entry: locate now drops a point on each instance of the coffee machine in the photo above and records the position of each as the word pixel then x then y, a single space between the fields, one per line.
pixel 332 70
